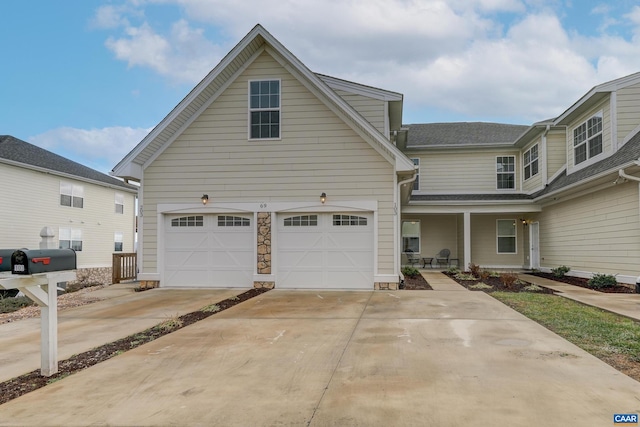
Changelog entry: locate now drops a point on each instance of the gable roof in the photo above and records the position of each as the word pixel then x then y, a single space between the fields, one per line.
pixel 20 153
pixel 206 92
pixel 623 158
pixel 463 134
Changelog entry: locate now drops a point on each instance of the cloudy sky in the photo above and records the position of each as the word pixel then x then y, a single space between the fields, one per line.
pixel 88 79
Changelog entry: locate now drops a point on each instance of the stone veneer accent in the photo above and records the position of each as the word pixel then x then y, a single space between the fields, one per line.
pixel 264 243
pixel 268 285
pixel 98 275
pixel 387 286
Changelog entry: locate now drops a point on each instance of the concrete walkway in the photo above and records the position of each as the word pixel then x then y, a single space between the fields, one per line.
pixel 448 357
pixel 624 304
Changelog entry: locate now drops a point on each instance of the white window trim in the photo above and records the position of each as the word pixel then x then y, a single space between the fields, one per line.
pixel 514 173
pixel 71 235
pixel 515 237
pixel 530 163
pixel 119 201
pixel 77 192
pixel 118 237
pixel 250 110
pixel 416 183
pixel 418 235
pixel 589 160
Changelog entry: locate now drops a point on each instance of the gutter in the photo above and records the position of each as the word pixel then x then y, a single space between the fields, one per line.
pixel 623 175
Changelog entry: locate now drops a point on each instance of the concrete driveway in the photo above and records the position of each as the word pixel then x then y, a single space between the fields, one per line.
pixel 384 358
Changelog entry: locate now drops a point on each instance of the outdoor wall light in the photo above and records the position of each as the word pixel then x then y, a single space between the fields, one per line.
pixel 323 198
pixel 204 198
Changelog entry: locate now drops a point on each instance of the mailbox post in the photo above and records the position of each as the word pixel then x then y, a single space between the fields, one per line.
pixel 37 274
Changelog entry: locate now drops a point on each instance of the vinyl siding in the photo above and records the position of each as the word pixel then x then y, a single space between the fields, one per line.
pixel 556 152
pixel 371 109
pixel 599 232
pixel 484 246
pixel 317 153
pixel 606 134
pixel 32 201
pixel 628 110
pixel 471 171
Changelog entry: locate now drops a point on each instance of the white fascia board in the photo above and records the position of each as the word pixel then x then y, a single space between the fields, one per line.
pixel 195 92
pixel 360 89
pixel 130 170
pixel 457 208
pixel 500 145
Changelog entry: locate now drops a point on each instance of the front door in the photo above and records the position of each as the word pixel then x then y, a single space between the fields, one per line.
pixel 534 241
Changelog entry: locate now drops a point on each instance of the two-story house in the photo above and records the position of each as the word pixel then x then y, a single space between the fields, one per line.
pixel 268 174
pixel 80 208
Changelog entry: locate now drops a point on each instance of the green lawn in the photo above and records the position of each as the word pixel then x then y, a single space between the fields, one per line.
pixel 601 333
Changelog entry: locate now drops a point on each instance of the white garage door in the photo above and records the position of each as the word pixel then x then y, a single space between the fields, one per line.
pixel 325 251
pixel 209 250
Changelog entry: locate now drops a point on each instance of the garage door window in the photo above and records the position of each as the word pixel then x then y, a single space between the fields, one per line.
pixel 301 221
pixel 349 220
pixel 188 221
pixel 233 221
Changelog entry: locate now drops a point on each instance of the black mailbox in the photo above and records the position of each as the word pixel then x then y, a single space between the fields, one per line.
pixel 5 259
pixel 42 261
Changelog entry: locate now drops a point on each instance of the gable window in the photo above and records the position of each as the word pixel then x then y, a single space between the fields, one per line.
pixel 531 162
pixel 119 203
pixel 416 183
pixel 587 139
pixel 264 109
pixel 301 221
pixel 70 238
pixel 506 236
pixel 188 221
pixel 411 236
pixel 233 221
pixel 117 239
pixel 71 195
pixel 349 220
pixel 506 172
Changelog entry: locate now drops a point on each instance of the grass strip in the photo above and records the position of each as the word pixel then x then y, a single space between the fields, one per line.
pixel 603 334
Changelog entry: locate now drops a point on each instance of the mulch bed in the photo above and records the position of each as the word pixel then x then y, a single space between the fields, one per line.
pixel 620 288
pixel 497 285
pixel 23 384
pixel 413 283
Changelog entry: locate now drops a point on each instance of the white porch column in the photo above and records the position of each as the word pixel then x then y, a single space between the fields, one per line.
pixel 467 240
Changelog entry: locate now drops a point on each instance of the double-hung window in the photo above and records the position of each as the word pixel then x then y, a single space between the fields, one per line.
pixel 587 139
pixel 506 236
pixel 117 241
pixel 411 236
pixel 70 238
pixel 505 172
pixel 264 109
pixel 531 162
pixel 416 183
pixel 71 195
pixel 119 203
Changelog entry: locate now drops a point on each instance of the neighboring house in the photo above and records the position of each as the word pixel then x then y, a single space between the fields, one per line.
pixel 87 211
pixel 313 182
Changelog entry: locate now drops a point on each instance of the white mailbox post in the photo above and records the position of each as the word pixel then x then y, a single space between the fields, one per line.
pixel 43 289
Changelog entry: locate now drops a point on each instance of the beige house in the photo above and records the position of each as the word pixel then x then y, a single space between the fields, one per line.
pixel 83 209
pixel 268 174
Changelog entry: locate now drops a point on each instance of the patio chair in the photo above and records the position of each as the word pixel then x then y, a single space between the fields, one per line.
pixel 442 258
pixel 412 258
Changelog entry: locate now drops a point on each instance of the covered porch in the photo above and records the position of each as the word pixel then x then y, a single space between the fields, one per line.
pixel 505 237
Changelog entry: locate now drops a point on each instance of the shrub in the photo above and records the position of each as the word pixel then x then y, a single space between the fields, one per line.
pixel 9 305
pixel 410 271
pixel 474 269
pixel 560 271
pixel 599 281
pixel 453 271
pixel 508 279
pixel 484 275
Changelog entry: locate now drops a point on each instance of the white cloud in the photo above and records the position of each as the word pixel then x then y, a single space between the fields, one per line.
pixel 100 149
pixel 509 59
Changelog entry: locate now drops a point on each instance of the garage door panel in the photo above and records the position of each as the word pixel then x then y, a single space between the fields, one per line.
pixel 332 253
pixel 209 250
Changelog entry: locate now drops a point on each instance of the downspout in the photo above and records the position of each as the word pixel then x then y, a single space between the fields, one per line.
pixel 622 174
pixel 398 243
